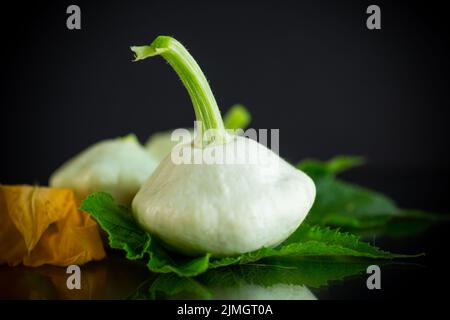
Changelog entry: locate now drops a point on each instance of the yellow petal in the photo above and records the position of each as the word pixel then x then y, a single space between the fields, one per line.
pixel 33 209
pixel 47 223
pixel 12 245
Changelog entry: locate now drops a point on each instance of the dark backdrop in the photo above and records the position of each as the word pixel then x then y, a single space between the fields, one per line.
pixel 310 68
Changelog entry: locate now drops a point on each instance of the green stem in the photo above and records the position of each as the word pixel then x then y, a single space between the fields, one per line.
pixel 205 105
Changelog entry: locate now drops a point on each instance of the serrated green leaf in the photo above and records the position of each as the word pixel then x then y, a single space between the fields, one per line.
pixel 268 273
pixel 318 169
pixel 163 261
pixel 309 241
pixel 171 286
pixel 342 204
pixel 117 221
pixel 352 207
pixel 306 241
pixel 311 272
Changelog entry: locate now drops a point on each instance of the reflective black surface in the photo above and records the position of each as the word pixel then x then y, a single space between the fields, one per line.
pixel 309 68
pixel 298 279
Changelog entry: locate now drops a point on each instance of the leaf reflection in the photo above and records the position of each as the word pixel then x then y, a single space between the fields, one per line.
pixel 271 279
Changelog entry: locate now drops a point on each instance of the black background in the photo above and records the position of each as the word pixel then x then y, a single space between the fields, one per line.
pixel 310 68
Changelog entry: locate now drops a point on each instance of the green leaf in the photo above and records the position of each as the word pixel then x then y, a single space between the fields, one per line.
pixel 347 205
pixel 314 241
pixel 319 169
pixel 117 221
pixel 342 204
pixel 238 117
pixel 312 272
pixel 268 273
pixel 306 241
pixel 163 261
pixel 171 286
pixel 406 225
pixel 124 233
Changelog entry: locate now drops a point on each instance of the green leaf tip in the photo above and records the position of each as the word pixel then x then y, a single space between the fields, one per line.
pixel 238 117
pixel 333 166
pixel 130 137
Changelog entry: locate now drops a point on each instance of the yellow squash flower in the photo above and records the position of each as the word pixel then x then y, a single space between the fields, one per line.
pixel 40 225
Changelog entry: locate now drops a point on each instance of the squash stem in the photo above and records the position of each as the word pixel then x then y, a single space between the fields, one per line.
pixel 205 105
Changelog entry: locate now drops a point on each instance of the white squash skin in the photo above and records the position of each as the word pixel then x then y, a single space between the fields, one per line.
pixel 224 209
pixel 117 166
pixel 279 291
